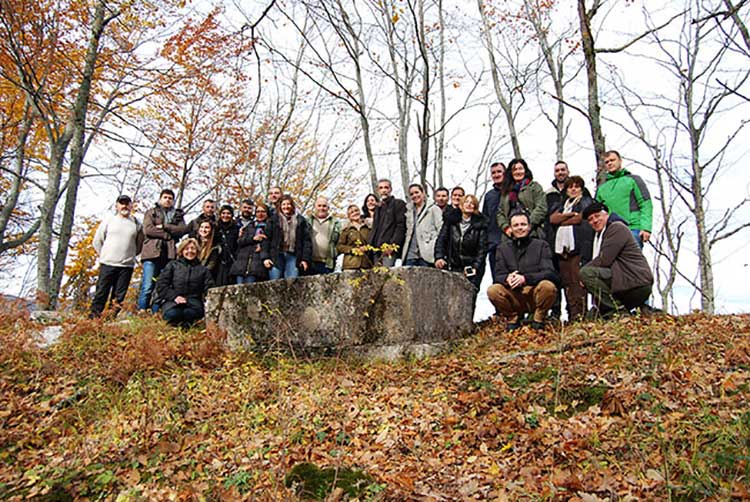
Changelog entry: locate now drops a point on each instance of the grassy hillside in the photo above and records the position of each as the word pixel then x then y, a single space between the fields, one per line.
pixel 633 409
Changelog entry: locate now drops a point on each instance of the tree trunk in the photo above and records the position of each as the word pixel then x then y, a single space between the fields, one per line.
pixel 594 110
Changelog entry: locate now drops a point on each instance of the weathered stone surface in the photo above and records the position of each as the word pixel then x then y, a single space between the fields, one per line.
pixel 381 313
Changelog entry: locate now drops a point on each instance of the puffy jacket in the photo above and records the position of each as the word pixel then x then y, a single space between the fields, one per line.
pixel 428 225
pixel 620 252
pixel 389 223
pixel 251 253
pixel 352 237
pixel 467 250
pixel 534 200
pixel 165 238
pixel 184 278
pixel 627 195
pixel 530 256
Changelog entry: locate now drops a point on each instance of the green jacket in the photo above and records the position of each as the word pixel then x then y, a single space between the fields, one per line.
pixel 627 195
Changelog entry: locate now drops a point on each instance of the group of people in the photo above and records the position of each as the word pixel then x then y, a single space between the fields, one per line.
pixel 538 242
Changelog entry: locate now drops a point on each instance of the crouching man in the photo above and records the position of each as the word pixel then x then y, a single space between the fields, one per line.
pixel 618 276
pixel 524 274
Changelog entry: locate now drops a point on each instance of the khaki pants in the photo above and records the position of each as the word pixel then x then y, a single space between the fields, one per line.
pixel 515 302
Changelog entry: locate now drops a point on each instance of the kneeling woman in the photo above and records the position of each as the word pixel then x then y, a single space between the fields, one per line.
pixel 462 245
pixel 258 248
pixel 183 284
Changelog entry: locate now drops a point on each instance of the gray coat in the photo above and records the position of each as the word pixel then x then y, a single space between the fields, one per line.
pixel 428 225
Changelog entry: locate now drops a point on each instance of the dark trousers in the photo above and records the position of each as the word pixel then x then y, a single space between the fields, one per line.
pixel 598 282
pixel 184 314
pixel 417 262
pixel 575 294
pixel 112 284
pixel 320 268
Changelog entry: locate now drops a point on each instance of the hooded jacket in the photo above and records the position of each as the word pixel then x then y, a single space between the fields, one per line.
pixel 627 195
pixel 184 278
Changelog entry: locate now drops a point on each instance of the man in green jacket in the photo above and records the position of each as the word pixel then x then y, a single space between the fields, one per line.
pixel 627 196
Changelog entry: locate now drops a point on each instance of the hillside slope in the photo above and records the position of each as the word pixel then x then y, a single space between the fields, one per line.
pixel 633 409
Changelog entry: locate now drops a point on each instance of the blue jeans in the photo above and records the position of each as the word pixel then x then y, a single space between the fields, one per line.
pixel 245 279
pixel 637 235
pixel 286 267
pixel 151 271
pixel 417 262
pixel 319 268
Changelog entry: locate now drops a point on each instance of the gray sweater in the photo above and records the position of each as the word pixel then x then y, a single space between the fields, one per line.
pixel 118 241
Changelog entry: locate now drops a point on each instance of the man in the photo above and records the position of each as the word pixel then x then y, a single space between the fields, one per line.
pixel 489 210
pixel 118 240
pixel 627 196
pixel 441 198
pixel 247 210
pixel 274 196
pixel 618 276
pixel 555 196
pixel 457 194
pixel 325 237
pixel 208 214
pixel 163 225
pixel 525 278
pixel 388 226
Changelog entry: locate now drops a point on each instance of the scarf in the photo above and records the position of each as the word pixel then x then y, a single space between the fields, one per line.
pixel 288 232
pixel 515 190
pixel 565 241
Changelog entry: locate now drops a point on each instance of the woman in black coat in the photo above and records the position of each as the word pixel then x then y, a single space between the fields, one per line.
pixel 183 285
pixel 295 241
pixel 257 248
pixel 462 243
pixel 573 242
pixel 226 235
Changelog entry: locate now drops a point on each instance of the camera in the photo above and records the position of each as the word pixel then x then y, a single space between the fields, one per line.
pixel 470 271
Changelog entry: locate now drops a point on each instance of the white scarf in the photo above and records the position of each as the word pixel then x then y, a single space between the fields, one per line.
pixel 565 238
pixel 598 242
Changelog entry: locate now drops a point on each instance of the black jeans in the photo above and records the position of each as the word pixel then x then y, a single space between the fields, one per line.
pixel 112 285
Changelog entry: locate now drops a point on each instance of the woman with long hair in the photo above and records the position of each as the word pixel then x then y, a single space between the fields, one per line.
pixel 183 285
pixel 368 208
pixel 521 193
pixel 295 241
pixel 209 250
pixel 226 235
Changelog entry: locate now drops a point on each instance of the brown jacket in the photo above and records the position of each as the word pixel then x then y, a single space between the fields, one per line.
pixel 349 239
pixel 167 236
pixel 621 253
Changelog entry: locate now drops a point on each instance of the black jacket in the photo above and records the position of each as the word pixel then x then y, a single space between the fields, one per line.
pixel 302 240
pixel 489 210
pixel 467 250
pixel 582 233
pixel 530 256
pixel 389 223
pixel 183 278
pixel 252 253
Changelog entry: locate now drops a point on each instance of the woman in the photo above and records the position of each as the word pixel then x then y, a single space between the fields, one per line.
pixel 573 241
pixel 462 245
pixel 227 233
pixel 520 191
pixel 257 248
pixel 295 241
pixel 353 241
pixel 183 285
pixel 423 224
pixel 209 251
pixel 368 208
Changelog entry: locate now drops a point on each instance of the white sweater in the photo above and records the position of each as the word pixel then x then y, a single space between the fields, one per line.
pixel 118 241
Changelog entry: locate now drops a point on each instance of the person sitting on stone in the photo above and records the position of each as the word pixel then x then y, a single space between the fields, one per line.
pixel 526 279
pixel 618 275
pixel 353 241
pixel 183 285
pixel 257 248
pixel 462 245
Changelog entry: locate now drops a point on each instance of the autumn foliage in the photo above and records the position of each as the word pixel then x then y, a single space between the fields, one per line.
pixel 636 409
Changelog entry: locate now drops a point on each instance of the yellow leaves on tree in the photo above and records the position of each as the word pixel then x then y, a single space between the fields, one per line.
pixel 81 270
